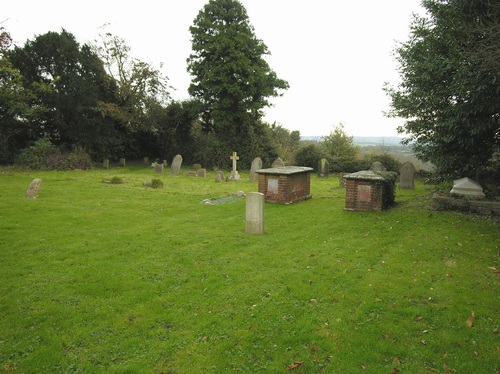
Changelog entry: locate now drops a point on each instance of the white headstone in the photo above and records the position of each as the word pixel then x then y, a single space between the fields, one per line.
pixel 467 187
pixel 255 213
pixel 256 165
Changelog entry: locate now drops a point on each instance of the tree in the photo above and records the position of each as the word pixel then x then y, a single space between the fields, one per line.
pixel 450 84
pixel 340 147
pixel 230 76
pixel 142 89
pixel 78 83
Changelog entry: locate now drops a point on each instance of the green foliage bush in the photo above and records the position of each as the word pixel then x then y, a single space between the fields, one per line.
pixel 388 185
pixel 389 161
pixel 156 183
pixel 43 155
pixel 116 180
pixel 309 156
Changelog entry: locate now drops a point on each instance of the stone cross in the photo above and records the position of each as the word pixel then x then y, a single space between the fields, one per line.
pixel 234 157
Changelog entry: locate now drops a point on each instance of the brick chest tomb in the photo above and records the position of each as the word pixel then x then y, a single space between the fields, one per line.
pixel 364 191
pixel 285 184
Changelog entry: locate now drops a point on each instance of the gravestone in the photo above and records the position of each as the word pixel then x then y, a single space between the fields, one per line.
pixel 122 162
pixel 219 177
pixel 278 163
pixel 158 168
pixel 323 168
pixel 234 173
pixel 378 167
pixel 196 166
pixel 33 188
pixel 201 172
pixel 165 163
pixel 176 165
pixel 407 176
pixel 467 187
pixel 256 165
pixel 342 180
pixel 255 213
pixel 146 160
pixel 105 164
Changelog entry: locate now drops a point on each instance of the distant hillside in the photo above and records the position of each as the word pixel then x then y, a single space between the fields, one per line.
pixel 365 140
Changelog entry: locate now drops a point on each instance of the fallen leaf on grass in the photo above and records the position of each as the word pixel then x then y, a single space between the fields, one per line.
pixel 295 365
pixel 419 318
pixel 470 320
pixel 424 342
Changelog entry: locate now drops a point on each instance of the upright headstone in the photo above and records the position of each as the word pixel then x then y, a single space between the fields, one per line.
pixel 165 164
pixel 196 166
pixel 176 165
pixel 146 160
pixel 158 168
pixel 33 189
pixel 219 177
pixel 255 213
pixel 323 168
pixel 234 173
pixel 278 163
pixel 256 165
pixel 407 176
pixel 105 164
pixel 201 172
pixel 122 162
pixel 378 167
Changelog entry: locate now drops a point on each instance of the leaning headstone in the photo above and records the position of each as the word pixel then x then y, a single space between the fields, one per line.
pixel 219 177
pixel 407 176
pixel 256 165
pixel 158 168
pixel 278 163
pixel 176 165
pixel 202 173
pixel 255 213
pixel 323 168
pixel 122 162
pixel 234 173
pixel 378 167
pixel 105 164
pixel 467 187
pixel 33 189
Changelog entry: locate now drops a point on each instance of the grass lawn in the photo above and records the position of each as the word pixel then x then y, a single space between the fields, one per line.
pixel 119 278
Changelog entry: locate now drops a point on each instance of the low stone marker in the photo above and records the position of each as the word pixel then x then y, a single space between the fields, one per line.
pixel 255 213
pixel 33 189
pixel 122 162
pixel 323 168
pixel 105 164
pixel 407 176
pixel 219 177
pixel 146 160
pixel 176 165
pixel 256 165
pixel 202 173
pixel 196 166
pixel 378 167
pixel 467 187
pixel 278 163
pixel 159 168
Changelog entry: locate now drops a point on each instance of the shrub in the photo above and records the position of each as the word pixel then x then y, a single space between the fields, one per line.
pixel 309 156
pixel 116 180
pixel 156 183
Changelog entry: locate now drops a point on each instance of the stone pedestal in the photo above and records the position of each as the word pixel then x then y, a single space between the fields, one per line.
pixel 255 213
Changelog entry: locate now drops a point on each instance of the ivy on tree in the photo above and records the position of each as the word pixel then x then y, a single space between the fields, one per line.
pixel 450 85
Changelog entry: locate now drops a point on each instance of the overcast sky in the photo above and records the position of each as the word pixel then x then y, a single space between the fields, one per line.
pixel 335 54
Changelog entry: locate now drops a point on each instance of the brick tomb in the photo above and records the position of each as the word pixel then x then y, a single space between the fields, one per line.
pixel 365 191
pixel 286 184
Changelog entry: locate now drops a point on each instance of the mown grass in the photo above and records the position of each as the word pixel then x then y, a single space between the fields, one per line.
pixel 119 278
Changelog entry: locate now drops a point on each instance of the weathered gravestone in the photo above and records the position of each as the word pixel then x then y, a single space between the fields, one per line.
pixel 278 163
pixel 122 162
pixel 255 213
pixel 323 168
pixel 33 189
pixel 378 167
pixel 256 165
pixel 219 177
pixel 201 172
pixel 176 165
pixel 407 176
pixel 234 173
pixel 146 160
pixel 467 187
pixel 196 166
pixel 158 168
pixel 105 164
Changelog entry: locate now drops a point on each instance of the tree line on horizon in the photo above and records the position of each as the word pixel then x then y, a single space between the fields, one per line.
pixel 99 101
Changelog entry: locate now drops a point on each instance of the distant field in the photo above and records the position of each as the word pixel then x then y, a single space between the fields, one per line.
pixel 119 278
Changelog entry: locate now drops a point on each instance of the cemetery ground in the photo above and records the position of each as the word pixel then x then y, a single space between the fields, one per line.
pixel 115 278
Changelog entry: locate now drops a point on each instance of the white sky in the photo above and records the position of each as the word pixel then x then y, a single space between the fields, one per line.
pixel 335 54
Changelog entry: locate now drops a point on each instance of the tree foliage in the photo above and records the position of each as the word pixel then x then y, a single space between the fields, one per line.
pixel 339 146
pixel 230 76
pixel 450 85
